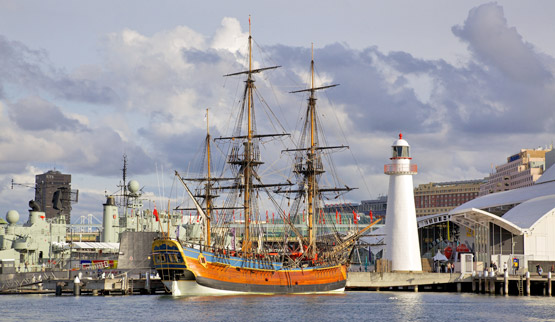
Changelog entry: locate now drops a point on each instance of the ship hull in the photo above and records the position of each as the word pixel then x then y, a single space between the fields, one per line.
pixel 192 288
pixel 168 260
pixel 236 274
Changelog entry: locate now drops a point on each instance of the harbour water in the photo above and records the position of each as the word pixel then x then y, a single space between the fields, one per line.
pixel 350 306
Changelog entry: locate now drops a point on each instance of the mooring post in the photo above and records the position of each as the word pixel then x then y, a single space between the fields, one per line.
pixel 76 286
pixel 493 282
pixel 59 287
pixel 527 283
pixel 459 287
pixel 506 283
pixel 415 288
pixel 549 283
pixel 479 282
pixel 486 282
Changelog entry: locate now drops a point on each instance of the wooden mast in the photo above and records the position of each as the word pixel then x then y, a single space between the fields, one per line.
pixel 248 153
pixel 311 175
pixel 208 184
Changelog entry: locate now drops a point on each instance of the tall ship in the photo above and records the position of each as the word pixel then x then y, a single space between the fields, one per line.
pixel 246 255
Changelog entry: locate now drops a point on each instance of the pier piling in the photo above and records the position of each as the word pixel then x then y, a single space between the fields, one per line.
pixel 528 283
pixel 506 283
pixel 549 283
pixel 486 282
pixel 76 286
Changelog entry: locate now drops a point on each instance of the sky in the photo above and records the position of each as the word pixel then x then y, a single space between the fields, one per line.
pixel 468 83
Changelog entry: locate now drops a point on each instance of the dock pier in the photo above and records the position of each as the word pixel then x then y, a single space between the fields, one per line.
pixel 81 283
pixel 480 283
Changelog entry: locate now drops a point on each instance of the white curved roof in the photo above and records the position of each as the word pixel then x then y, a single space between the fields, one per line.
pixel 481 216
pixel 528 213
pixel 548 175
pixel 515 196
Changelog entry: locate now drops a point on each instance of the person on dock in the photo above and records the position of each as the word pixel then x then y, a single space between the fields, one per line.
pixel 504 267
pixel 539 269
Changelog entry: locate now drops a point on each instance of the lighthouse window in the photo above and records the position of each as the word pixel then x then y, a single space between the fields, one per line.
pixel 400 151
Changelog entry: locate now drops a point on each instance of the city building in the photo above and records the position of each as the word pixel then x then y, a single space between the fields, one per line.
pixel 440 197
pixel 378 208
pixel 521 170
pixel 549 158
pixel 53 194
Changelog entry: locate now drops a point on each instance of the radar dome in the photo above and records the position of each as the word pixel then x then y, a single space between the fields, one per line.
pixel 12 217
pixel 133 186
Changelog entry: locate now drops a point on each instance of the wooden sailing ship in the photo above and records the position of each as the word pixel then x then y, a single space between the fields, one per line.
pixel 296 262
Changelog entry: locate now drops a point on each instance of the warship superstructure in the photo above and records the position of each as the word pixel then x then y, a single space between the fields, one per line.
pixel 36 244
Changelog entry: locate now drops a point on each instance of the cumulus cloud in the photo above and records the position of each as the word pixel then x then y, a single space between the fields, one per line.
pixel 31 71
pixel 36 114
pixel 499 46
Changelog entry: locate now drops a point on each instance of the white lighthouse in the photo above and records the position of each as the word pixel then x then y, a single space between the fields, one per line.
pixel 402 247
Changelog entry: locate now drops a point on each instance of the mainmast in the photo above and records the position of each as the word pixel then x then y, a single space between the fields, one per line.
pixel 248 152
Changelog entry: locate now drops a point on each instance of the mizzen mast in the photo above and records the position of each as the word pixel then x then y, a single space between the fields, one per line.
pixel 309 167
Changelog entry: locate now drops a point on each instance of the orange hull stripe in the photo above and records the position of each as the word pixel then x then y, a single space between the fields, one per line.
pixel 240 275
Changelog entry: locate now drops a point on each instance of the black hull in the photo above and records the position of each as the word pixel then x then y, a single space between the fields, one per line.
pixel 275 289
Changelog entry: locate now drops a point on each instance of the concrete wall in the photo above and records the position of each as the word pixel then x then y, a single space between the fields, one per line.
pixel 358 279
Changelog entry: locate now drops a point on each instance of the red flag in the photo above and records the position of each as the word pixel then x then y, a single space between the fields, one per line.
pixel 355 217
pixel 340 221
pixel 371 215
pixel 336 216
pixel 198 217
pixel 155 212
pixel 272 217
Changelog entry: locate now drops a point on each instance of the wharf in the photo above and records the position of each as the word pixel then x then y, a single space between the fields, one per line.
pixel 403 280
pixel 60 282
pixel 526 284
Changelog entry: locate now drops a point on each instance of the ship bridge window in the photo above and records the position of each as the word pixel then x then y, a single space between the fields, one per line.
pixel 401 152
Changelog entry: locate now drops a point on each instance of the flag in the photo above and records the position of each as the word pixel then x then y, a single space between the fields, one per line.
pixel 266 215
pixel 355 217
pixel 336 216
pixel 371 216
pixel 155 212
pixel 272 217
